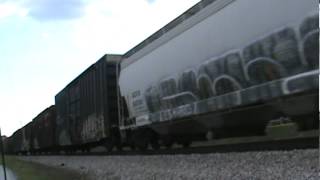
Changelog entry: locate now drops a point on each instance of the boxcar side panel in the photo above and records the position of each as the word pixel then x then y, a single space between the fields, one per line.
pixel 87 107
pixel 44 126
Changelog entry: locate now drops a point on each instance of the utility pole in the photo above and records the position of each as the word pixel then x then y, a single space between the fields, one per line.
pixel 3 158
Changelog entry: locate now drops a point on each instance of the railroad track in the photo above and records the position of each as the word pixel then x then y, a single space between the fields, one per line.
pixel 303 140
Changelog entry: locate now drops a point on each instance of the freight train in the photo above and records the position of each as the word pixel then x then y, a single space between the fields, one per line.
pixel 223 68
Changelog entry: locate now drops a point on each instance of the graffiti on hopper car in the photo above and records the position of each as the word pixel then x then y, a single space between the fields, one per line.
pixel 281 54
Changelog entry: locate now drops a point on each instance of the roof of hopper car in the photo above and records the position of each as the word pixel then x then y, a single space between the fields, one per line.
pixel 27 125
pixel 42 112
pixel 114 58
pixel 20 129
pixel 174 23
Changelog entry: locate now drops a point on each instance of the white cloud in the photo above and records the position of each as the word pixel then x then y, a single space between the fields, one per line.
pixel 43 10
pixel 11 9
pixel 118 25
pixel 51 10
pixel 45 35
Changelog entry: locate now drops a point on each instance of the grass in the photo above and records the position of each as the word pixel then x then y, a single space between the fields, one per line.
pixel 24 170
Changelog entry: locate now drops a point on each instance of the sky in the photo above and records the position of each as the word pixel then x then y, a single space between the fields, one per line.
pixel 45 44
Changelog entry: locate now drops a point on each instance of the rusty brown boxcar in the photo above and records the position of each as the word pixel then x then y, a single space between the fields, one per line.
pixel 5 141
pixel 87 107
pixel 26 133
pixel 44 126
pixel 6 145
pixel 15 142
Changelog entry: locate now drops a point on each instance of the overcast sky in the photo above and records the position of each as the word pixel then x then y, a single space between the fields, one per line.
pixel 44 44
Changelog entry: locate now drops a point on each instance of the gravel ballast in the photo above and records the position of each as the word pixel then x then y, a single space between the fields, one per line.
pixel 297 164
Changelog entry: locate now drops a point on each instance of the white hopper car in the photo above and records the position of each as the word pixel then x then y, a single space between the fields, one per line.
pixel 223 68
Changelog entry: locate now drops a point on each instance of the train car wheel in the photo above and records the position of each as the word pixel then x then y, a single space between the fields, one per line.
pixel 155 144
pixel 167 142
pixel 109 145
pixel 168 145
pixel 154 141
pixel 119 147
pixel 142 146
pixel 132 147
pixel 141 142
pixel 141 139
pixel 186 144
